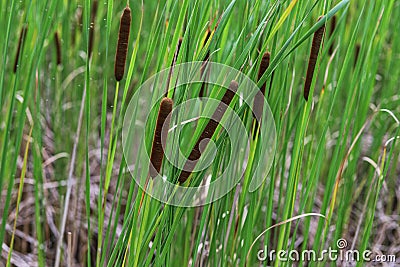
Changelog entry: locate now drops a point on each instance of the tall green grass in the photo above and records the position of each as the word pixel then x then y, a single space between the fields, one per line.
pixel 336 165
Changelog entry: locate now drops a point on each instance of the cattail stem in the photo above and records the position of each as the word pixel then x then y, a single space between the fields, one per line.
pixel 157 151
pixel 122 46
pixel 171 70
pixel 357 54
pixel 21 40
pixel 316 44
pixel 208 132
pixel 57 42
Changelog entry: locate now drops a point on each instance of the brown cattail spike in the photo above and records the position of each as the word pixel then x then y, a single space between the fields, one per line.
pixel 157 151
pixel 21 40
pixel 208 132
pixel 122 46
pixel 316 44
pixel 333 27
pixel 91 27
pixel 259 101
pixel 58 47
pixel 205 63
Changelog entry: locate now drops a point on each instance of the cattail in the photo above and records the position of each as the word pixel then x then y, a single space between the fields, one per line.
pixel 258 101
pixel 91 27
pixel 157 151
pixel 316 44
pixel 208 131
pixel 333 27
pixel 171 70
pixel 21 40
pixel 205 63
pixel 122 46
pixel 58 47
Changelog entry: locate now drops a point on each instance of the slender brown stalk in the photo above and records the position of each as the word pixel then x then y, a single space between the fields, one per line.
pixel 157 151
pixel 258 101
pixel 333 27
pixel 205 63
pixel 178 48
pixel 21 40
pixel 208 132
pixel 316 44
pixel 171 70
pixel 122 46
pixel 92 26
pixel 57 42
pixel 357 53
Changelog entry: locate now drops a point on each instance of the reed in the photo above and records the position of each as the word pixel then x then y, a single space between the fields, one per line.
pixel 122 45
pixel 208 132
pixel 21 40
pixel 316 44
pixel 57 43
pixel 157 151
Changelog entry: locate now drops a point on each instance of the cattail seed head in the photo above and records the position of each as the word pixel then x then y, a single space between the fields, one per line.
pixel 157 151
pixel 208 131
pixel 21 40
pixel 258 100
pixel 333 27
pixel 57 42
pixel 316 44
pixel 95 5
pixel 263 67
pixel 122 46
pixel 92 26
